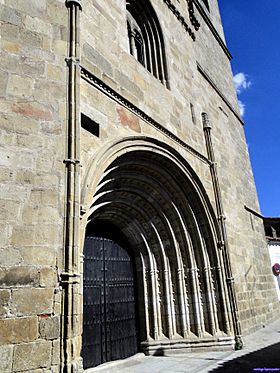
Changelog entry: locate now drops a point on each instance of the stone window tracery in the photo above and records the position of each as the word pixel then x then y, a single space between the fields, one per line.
pixel 145 38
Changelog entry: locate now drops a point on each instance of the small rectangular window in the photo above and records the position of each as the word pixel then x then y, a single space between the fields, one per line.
pixel 90 125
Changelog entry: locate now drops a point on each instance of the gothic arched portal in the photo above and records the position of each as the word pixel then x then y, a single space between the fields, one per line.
pixel 162 210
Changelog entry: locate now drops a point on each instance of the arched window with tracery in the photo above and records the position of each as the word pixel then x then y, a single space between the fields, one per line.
pixel 145 37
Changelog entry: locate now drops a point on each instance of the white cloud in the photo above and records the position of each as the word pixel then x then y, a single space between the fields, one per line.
pixel 241 107
pixel 241 82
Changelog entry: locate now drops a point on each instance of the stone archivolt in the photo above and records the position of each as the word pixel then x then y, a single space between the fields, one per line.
pixel 164 212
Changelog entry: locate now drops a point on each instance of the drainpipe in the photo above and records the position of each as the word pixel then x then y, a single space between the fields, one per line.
pixel 224 241
pixel 70 278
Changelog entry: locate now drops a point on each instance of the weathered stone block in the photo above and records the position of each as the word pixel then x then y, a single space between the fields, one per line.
pixel 55 73
pixel 3 81
pixel 42 256
pixel 16 159
pixel 9 256
pixel 60 47
pixel 33 67
pixel 20 86
pixel 32 109
pixel 56 12
pixel 9 15
pixel 18 124
pixel 32 301
pixel 97 59
pixel 24 177
pixel 44 196
pixel 24 329
pixel 40 214
pixel 31 235
pixel 57 302
pixel 4 301
pixel 30 142
pixel 9 210
pixel 33 7
pixel 48 277
pixel 127 119
pixel 56 352
pixel 10 62
pixel 9 32
pixel 51 127
pixel 6 358
pixel 4 237
pixel 30 39
pixel 12 47
pixel 19 276
pixel 37 25
pixel 128 84
pixel 32 356
pixel 49 327
pixel 6 175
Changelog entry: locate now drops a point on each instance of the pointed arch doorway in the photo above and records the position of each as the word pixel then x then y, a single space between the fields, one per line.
pixel 109 306
pixel 157 201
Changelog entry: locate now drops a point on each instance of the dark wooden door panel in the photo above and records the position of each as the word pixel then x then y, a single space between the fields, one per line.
pixel 110 331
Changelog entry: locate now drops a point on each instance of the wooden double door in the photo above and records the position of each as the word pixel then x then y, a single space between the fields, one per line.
pixel 109 306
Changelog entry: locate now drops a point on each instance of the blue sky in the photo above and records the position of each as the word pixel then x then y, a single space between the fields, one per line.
pixel 252 30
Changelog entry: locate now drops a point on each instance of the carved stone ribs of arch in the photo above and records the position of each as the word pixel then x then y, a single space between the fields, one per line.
pixel 158 203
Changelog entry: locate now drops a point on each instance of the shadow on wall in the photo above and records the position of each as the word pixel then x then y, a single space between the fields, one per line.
pixel 265 360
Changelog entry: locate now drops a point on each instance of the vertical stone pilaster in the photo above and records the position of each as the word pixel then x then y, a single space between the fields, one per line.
pixel 70 278
pixel 223 234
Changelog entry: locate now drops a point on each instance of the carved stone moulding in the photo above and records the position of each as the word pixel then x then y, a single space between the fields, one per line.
pixel 187 345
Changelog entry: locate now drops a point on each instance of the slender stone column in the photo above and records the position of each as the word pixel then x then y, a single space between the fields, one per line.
pixel 224 242
pixel 157 326
pixel 209 305
pixel 226 308
pixel 146 300
pixel 185 320
pixel 182 295
pixel 70 278
pixel 214 324
pixel 167 289
pixel 196 296
pixel 155 302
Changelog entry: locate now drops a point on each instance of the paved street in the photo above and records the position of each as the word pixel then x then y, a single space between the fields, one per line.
pixel 260 353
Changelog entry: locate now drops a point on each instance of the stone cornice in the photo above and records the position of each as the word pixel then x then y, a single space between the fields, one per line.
pixel 272 240
pixel 195 22
pixel 193 19
pixel 121 100
pixel 180 18
pixel 209 24
pixel 257 214
pixel 219 92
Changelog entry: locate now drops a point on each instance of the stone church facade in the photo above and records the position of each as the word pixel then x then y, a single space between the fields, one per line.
pixel 127 196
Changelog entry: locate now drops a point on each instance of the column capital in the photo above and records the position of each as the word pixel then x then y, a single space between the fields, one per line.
pixel 205 121
pixel 74 2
